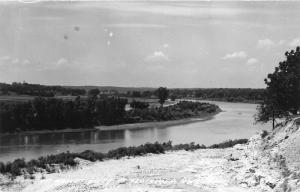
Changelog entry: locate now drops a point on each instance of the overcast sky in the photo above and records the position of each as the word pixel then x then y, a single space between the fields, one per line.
pixel 173 44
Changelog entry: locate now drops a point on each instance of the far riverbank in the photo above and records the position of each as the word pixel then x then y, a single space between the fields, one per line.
pixel 157 124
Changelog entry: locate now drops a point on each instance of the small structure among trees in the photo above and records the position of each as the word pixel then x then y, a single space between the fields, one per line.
pixel 282 97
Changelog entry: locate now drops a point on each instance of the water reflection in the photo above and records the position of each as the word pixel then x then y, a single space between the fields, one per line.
pixel 82 137
pixel 235 122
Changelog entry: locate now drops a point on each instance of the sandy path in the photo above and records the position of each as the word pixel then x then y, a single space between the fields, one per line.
pixel 181 171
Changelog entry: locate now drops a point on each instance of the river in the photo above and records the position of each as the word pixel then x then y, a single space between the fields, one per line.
pixel 236 121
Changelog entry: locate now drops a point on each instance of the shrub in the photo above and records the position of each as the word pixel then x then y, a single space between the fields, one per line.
pixel 264 133
pixel 229 143
pixel 91 156
pixel 155 148
pixel 188 147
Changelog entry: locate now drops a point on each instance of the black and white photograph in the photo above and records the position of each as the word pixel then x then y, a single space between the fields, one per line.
pixel 149 96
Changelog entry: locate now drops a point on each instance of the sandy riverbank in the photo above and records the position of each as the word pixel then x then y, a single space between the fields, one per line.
pixel 156 124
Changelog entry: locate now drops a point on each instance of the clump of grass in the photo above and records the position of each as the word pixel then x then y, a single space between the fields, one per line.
pixel 229 143
pixel 264 134
pixel 188 146
pixel 155 148
pixel 91 155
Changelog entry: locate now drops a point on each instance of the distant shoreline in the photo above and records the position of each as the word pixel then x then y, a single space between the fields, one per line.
pixel 157 124
pixel 223 100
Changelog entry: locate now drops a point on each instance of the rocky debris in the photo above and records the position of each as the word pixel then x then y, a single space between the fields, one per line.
pixel 271 163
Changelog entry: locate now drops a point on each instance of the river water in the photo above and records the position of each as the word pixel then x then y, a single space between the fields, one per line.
pixel 236 121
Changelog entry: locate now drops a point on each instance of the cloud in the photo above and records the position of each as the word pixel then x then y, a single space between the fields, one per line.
pixel 236 55
pixel 281 42
pixel 61 61
pixel 15 61
pixel 157 56
pixel 26 62
pixel 4 58
pixel 166 45
pixel 265 44
pixel 252 61
pixel 170 9
pixel 135 25
pixel 295 42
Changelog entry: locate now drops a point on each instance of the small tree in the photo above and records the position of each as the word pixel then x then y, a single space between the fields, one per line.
pixel 282 97
pixel 162 94
pixel 93 92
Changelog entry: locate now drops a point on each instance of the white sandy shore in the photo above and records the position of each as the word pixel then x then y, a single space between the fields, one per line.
pixel 263 165
pixel 157 124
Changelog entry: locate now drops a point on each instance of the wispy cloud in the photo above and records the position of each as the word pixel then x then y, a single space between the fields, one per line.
pixel 157 56
pixel 265 44
pixel 4 58
pixel 135 25
pixel 169 9
pixel 236 55
pixel 15 61
pixel 295 42
pixel 61 61
pixel 252 61
pixel 281 42
pixel 25 62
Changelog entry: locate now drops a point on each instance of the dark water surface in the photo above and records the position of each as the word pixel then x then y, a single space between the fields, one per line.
pixel 235 122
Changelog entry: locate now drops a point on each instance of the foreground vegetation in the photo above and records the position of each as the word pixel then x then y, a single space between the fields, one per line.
pixel 66 160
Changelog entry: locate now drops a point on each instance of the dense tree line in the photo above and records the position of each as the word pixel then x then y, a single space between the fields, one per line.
pixel 181 110
pixel 52 113
pixel 55 114
pixel 222 94
pixel 142 94
pixel 38 90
